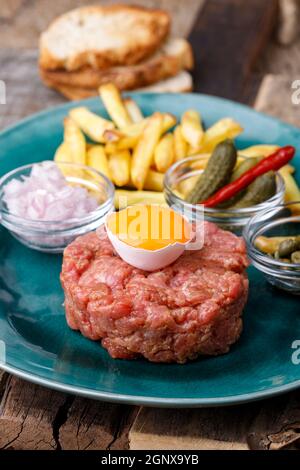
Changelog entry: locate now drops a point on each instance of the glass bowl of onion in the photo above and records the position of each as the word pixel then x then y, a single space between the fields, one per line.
pixel 47 205
pixel 180 179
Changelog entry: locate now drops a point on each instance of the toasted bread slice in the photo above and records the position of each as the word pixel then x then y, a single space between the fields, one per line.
pixel 180 83
pixel 176 54
pixel 102 37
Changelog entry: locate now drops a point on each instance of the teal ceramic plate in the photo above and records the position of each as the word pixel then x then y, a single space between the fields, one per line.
pixel 37 345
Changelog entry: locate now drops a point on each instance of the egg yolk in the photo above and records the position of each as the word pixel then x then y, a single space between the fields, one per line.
pixel 149 227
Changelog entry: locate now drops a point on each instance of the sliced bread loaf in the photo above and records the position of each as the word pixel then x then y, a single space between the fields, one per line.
pixel 175 55
pixel 180 83
pixel 102 37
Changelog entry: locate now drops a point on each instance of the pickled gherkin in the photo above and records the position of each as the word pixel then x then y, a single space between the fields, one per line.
pixel 216 174
pixel 289 246
pixel 295 258
pixel 263 188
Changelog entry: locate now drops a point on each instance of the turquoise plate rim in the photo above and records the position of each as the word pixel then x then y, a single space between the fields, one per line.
pixel 72 104
pixel 138 399
pixel 151 401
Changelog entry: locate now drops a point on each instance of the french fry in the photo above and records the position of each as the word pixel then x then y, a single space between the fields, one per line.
pixel 133 110
pixel 119 166
pixel 63 154
pixel 223 129
pixel 75 140
pixel 289 168
pixel 180 145
pixel 200 161
pixel 292 191
pixel 164 153
pixel 191 128
pixel 122 142
pixel 91 124
pixel 96 158
pixel 144 150
pixel 112 136
pixel 134 131
pixel 186 185
pixel 110 148
pixel 154 181
pixel 114 105
pixel 191 151
pixel 124 198
pixel 169 121
pixel 260 150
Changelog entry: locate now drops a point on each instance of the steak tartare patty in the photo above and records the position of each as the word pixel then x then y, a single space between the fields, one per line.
pixel 187 309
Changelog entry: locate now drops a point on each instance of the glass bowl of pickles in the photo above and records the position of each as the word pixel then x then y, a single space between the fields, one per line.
pixel 273 242
pixel 195 179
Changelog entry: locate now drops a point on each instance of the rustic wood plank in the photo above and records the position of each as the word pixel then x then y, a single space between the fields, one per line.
pixel 22 29
pixel 275 98
pixel 277 425
pixel 93 425
pixel 9 8
pixel 289 16
pixel 30 415
pixel 266 425
pixel 228 38
pixel 3 380
pixel 25 93
pixel 194 429
pixel 278 59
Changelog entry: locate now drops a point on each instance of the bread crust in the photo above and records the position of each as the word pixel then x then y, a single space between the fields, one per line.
pixel 80 93
pixel 156 24
pixel 158 67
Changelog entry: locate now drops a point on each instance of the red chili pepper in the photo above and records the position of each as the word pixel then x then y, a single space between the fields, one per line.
pixel 273 162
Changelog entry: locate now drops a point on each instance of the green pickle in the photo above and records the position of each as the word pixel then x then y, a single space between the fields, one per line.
pixel 216 174
pixel 295 257
pixel 246 165
pixel 287 247
pixel 263 188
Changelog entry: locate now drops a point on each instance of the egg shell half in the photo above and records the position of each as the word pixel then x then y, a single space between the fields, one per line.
pixel 147 260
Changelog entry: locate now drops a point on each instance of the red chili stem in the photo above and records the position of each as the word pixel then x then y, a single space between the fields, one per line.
pixel 273 162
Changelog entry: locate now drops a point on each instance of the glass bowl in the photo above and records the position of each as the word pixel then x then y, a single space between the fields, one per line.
pixel 184 172
pixel 277 222
pixel 53 236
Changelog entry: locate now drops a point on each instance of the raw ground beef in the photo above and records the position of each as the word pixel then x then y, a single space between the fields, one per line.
pixel 187 309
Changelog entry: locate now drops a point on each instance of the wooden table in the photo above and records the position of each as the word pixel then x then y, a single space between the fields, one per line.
pixel 240 62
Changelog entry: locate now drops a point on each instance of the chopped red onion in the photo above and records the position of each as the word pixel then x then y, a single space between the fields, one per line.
pixel 46 195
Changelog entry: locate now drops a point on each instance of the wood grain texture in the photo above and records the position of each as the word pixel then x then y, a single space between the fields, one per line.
pixel 280 60
pixel 275 98
pixel 289 16
pixel 30 18
pixel 92 425
pixel 228 38
pixel 25 93
pixel 9 8
pixel 28 416
pixel 3 380
pixel 277 425
pixel 266 425
pixel 194 429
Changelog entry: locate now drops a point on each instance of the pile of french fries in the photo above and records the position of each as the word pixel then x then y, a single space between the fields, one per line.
pixel 134 151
